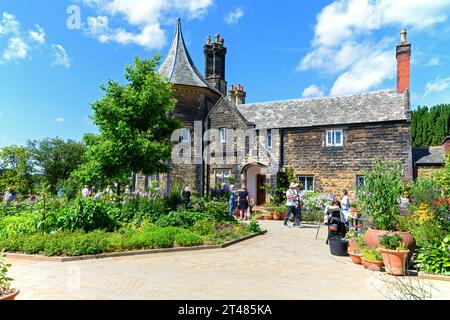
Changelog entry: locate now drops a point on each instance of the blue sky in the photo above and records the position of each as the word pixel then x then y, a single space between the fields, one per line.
pixel 50 73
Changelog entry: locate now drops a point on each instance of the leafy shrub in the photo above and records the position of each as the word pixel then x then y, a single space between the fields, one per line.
pixel 217 210
pixel 253 226
pixel 13 226
pixel 434 257
pixel 204 227
pixel 153 237
pixel 425 190
pixel 5 281
pixel 425 233
pixel 392 242
pixel 188 239
pixel 380 195
pixel 182 218
pixel 373 255
pixel 87 215
pixel 69 244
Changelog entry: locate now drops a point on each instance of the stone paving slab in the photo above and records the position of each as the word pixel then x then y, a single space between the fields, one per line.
pixel 286 263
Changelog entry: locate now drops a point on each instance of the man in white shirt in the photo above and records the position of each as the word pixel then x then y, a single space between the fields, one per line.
pixel 291 203
pixel 85 192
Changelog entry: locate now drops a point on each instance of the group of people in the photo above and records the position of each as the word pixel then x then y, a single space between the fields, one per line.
pixel 240 200
pixel 101 195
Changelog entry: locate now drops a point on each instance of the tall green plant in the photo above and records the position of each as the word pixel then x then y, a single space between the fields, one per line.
pixel 380 196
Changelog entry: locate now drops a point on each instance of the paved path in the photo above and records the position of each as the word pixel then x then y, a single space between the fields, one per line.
pixel 284 264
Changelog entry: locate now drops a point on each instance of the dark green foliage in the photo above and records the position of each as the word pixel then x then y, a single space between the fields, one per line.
pixel 380 195
pixel 134 124
pixel 182 218
pixel 279 192
pixel 430 126
pixel 434 257
pixel 16 170
pixel 253 227
pixel 56 159
pixel 392 242
pixel 87 215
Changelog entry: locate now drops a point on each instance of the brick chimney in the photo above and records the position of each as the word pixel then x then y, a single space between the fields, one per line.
pixel 237 95
pixel 215 55
pixel 403 63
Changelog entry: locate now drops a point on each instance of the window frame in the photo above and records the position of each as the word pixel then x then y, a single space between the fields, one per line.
pixel 358 177
pixel 334 133
pixel 269 143
pixel 223 174
pixel 223 135
pixel 303 180
pixel 186 131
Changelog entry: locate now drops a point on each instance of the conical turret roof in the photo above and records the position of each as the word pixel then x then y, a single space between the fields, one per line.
pixel 178 66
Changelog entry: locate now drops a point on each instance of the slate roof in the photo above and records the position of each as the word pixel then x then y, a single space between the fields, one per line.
pixel 378 106
pixel 429 156
pixel 178 66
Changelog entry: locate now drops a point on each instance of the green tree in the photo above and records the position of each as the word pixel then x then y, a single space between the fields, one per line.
pixel 430 125
pixel 55 159
pixel 16 169
pixel 135 126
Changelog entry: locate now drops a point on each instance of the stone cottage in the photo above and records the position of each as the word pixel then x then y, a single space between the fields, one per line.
pixel 329 142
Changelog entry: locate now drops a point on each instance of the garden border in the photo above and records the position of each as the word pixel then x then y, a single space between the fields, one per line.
pixel 431 276
pixel 41 258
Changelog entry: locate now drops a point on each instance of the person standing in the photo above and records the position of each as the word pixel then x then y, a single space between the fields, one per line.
pixel 232 201
pixel 243 203
pixel 85 192
pixel 298 209
pixel 291 202
pixel 345 206
pixel 187 198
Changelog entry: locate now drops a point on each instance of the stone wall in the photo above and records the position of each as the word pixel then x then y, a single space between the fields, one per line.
pixel 337 168
pixel 426 171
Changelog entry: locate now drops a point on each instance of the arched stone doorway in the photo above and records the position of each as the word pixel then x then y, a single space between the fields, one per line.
pixel 255 177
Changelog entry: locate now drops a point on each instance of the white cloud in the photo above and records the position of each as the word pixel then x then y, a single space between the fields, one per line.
pixel 17 49
pixel 9 24
pixel 60 56
pixel 437 85
pixel 234 16
pixel 312 91
pixel 37 35
pixel 60 120
pixel 434 61
pixel 342 42
pixel 143 17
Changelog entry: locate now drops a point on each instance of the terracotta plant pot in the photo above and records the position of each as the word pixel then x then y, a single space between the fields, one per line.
pixel 353 246
pixel 282 215
pixel 276 217
pixel 268 217
pixel 372 265
pixel 11 296
pixel 395 261
pixel 356 257
pixel 372 239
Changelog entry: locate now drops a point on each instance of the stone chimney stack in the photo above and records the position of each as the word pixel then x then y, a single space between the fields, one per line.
pixel 237 95
pixel 403 63
pixel 215 55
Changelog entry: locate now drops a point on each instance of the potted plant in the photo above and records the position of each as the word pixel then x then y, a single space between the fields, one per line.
pixel 394 253
pixel 372 259
pixel 356 256
pixel 380 199
pixel 6 293
pixel 352 237
pixel 276 214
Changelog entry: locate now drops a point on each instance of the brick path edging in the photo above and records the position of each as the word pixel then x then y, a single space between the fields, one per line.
pixel 430 276
pixel 41 258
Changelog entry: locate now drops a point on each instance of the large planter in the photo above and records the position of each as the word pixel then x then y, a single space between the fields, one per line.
pixel 276 217
pixel 372 239
pixel 372 265
pixel 268 217
pixel 338 247
pixel 395 261
pixel 356 257
pixel 11 296
pixel 282 215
